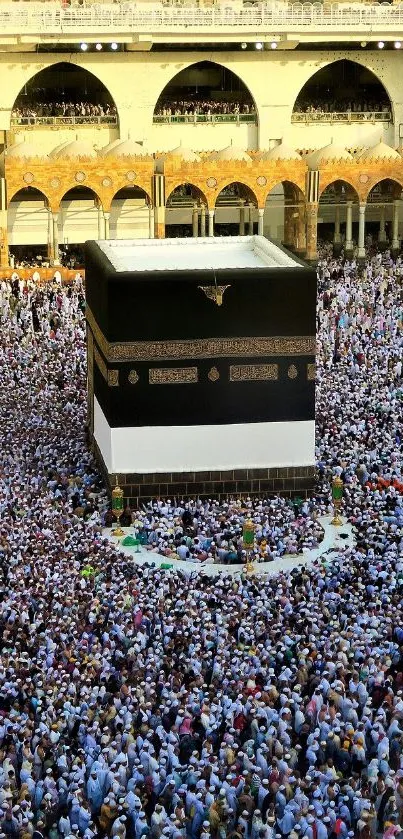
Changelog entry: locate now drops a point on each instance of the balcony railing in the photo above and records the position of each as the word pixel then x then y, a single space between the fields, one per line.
pixel 49 18
pixel 38 122
pixel 341 116
pixel 209 119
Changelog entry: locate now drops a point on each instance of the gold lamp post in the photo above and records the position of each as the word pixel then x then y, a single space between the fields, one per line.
pixel 248 536
pixel 117 508
pixel 337 498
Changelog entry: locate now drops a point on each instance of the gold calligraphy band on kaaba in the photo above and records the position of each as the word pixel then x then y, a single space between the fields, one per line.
pixel 199 348
pixel 173 376
pixel 253 372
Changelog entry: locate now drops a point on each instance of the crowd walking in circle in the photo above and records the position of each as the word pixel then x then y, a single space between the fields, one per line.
pixel 136 701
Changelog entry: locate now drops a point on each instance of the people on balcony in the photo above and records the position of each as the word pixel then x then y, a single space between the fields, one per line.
pixel 203 107
pixel 36 110
pixel 342 105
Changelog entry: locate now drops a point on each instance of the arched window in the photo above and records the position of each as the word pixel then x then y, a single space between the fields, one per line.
pixel 64 94
pixel 186 212
pixel 236 210
pixel 343 91
pixel 205 92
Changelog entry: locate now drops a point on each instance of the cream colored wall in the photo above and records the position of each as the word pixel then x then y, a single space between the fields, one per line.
pixel 203 137
pixel 135 80
pixel 355 135
pixel 129 219
pixel 49 138
pixel 273 218
pixel 78 221
pixel 28 223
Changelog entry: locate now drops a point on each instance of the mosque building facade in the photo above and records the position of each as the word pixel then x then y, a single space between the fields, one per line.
pixel 160 120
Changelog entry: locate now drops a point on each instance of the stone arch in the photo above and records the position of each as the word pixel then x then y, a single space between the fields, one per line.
pixel 343 182
pixel 242 191
pixel 28 217
pixel 201 75
pixel 292 191
pixel 330 73
pixel 132 188
pixel 383 209
pixel 391 188
pixel 75 188
pixel 60 81
pixel 29 190
pixel 186 210
pixel 235 209
pixel 192 189
pixel 338 201
pixel 129 213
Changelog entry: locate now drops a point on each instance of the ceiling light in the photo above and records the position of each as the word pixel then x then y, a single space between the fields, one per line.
pixel 98 47
pixel 398 44
pixel 273 45
pixel 381 45
pixel 84 47
pixel 363 43
pixel 114 45
pixel 243 45
pixel 258 45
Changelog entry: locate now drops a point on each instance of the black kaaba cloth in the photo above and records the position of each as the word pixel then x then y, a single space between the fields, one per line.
pixel 167 352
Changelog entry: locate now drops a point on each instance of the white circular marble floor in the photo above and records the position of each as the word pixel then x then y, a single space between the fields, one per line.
pixel 331 543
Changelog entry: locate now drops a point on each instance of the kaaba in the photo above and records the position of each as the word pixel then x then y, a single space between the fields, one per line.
pixel 201 366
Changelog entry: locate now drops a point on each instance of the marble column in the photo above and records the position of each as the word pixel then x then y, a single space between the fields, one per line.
pixel 195 221
pixel 260 228
pixel 101 225
pixel 50 235
pixel 382 231
pixel 361 231
pixel 242 218
pixel 211 222
pixel 55 218
pixel 336 237
pixel 349 227
pixel 395 225
pixel 250 219
pixel 203 221
pixel 106 219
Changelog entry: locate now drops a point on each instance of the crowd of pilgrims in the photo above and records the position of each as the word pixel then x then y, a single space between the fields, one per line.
pixel 33 110
pixel 137 701
pixel 202 107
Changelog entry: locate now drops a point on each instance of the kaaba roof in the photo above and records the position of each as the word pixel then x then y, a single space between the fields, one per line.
pixel 195 254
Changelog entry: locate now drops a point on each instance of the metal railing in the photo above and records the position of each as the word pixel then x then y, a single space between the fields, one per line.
pixel 341 116
pixel 37 122
pixel 50 18
pixel 209 119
